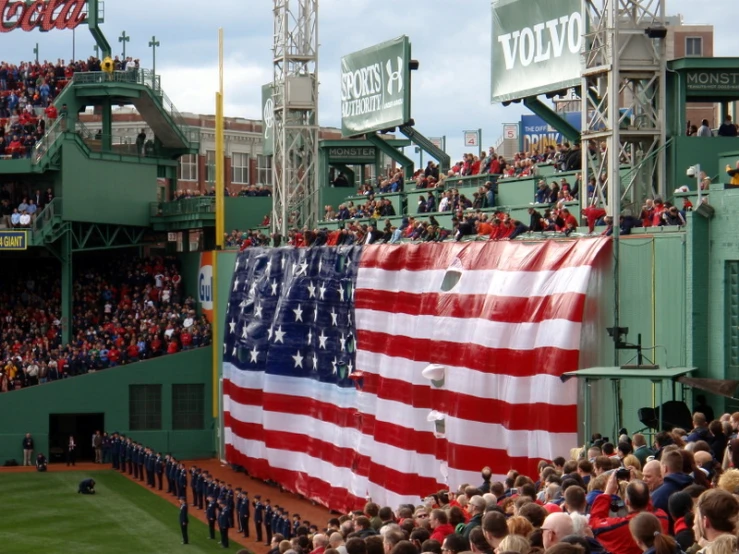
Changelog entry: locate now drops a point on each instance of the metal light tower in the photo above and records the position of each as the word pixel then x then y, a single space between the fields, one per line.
pixel 623 102
pixel 295 99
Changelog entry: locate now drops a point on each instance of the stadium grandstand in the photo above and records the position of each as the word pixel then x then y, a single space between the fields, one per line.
pixel 297 336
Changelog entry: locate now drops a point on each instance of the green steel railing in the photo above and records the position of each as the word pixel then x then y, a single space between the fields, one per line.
pixel 149 79
pixel 51 211
pixel 186 206
pixel 42 147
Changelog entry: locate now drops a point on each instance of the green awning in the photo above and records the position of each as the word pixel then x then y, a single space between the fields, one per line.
pixel 616 372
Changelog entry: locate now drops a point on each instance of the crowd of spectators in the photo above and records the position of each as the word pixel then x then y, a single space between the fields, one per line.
pixel 22 214
pixel 27 94
pixel 247 190
pixel 125 310
pixel 679 495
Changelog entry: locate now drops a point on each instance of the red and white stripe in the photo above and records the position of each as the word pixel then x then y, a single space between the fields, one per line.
pixel 505 332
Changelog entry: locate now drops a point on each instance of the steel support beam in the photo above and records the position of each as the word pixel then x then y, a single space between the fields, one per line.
pixel 623 103
pixel 295 100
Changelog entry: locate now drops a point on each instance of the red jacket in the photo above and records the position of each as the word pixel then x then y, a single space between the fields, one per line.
pixel 613 532
pixel 442 532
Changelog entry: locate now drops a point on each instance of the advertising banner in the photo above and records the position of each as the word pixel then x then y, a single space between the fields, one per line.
pixel 375 87
pixel 205 284
pixel 536 47
pixel 538 134
pixel 268 121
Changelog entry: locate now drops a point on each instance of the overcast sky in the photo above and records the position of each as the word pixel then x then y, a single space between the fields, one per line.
pixel 451 90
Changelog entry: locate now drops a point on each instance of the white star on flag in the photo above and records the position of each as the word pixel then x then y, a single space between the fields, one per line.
pixel 269 266
pixel 298 313
pixel 236 284
pixel 349 367
pixel 334 317
pixel 311 290
pixel 257 310
pixel 253 355
pixel 244 334
pixel 322 340
pixel 341 292
pixel 310 336
pixel 280 335
pixel 252 289
pixel 232 326
pixel 342 340
pixel 322 291
pixel 298 359
pixel 315 362
pixel 334 363
pixel 274 288
pixel 233 352
pixel 303 268
pixel 237 265
pixel 243 306
pixel 269 333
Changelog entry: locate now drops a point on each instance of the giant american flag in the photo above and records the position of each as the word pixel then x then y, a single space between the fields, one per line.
pixel 325 348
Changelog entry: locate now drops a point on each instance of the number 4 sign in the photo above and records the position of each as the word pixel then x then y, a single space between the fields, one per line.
pixel 472 139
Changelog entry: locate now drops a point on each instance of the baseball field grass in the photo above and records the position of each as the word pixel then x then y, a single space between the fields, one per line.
pixel 42 512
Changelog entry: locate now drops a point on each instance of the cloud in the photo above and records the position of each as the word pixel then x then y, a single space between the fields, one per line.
pixel 451 40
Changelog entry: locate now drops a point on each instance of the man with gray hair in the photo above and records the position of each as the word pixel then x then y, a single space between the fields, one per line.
pixel 320 542
pixel 476 508
pixel 556 526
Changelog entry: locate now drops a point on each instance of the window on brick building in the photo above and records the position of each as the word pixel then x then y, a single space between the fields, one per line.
pixel 189 168
pixel 210 167
pixel 240 168
pixel 694 46
pixel 264 170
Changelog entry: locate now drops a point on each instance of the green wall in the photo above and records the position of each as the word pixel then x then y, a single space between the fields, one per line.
pixel 190 267
pixel 246 212
pixel 106 191
pixel 28 410
pixel 652 302
pixel 684 152
pixel 333 196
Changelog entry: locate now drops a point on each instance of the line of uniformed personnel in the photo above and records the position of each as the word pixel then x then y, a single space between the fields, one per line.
pixel 225 506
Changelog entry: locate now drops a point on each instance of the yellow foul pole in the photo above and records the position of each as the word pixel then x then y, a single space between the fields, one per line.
pixel 220 226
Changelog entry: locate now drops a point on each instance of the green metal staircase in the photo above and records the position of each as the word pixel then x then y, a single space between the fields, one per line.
pixel 140 87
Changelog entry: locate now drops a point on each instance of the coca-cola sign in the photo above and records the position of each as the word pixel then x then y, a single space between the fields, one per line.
pixel 41 14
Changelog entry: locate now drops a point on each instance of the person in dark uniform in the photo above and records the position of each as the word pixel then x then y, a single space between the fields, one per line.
pixel 141 462
pixel 258 516
pixel 87 486
pixel 296 524
pixel 135 460
pixel 128 464
pixel 171 477
pixel 182 482
pixel 159 468
pixel 194 477
pixel 223 524
pixel 245 513
pixel 237 498
pixel 41 462
pixel 115 446
pixel 151 469
pixel 210 515
pixel 184 520
pixel 71 451
pixel 230 502
pixel 201 489
pixel 268 513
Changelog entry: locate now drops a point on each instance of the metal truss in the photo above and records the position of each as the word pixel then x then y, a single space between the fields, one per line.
pixel 295 100
pixel 623 102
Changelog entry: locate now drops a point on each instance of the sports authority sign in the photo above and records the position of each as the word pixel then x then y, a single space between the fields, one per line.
pixel 268 121
pixel 45 15
pixel 536 47
pixel 375 87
